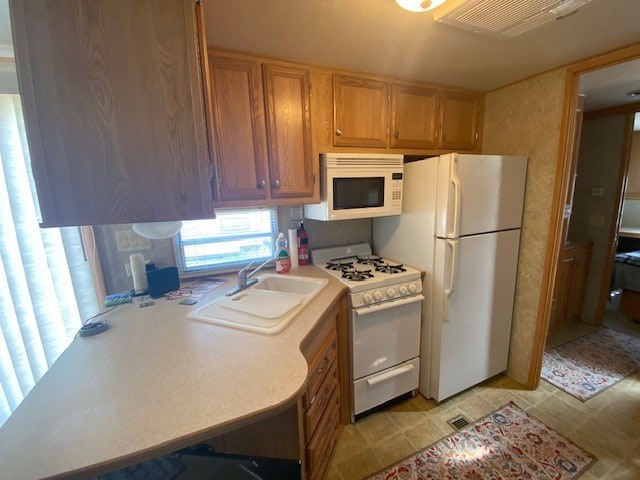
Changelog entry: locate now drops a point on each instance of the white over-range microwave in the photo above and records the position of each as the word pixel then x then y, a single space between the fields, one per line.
pixel 358 185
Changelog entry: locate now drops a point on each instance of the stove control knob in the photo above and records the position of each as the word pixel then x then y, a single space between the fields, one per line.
pixel 367 298
pixel 377 296
pixel 391 293
pixel 412 288
pixel 403 290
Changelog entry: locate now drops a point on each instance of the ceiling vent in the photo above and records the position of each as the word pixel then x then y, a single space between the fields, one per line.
pixel 504 18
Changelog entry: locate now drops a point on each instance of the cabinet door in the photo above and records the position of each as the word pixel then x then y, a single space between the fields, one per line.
pixel 288 131
pixel 459 114
pixel 112 97
pixel 577 286
pixel 563 277
pixel 413 116
pixel 238 123
pixel 360 112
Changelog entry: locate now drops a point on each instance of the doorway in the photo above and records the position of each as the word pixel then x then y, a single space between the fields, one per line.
pixel 570 135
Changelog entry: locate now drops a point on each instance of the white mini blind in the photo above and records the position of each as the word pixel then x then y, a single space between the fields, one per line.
pixel 46 288
pixel 230 241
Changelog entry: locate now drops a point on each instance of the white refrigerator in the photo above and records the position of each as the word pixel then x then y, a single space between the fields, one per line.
pixel 460 223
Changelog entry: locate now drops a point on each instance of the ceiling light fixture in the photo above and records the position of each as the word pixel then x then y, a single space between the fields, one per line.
pixel 633 93
pixel 419 5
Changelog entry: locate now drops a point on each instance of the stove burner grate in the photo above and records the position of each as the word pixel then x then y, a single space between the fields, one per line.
pixel 339 266
pixel 356 275
pixel 388 268
pixel 369 260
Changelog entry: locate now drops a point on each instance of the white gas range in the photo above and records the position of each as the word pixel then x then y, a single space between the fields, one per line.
pixel 385 312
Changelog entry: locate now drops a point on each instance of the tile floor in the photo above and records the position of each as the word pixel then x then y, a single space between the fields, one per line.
pixel 607 425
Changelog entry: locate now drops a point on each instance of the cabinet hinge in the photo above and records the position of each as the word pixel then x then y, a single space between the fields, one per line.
pixel 476 136
pixel 310 89
pixel 313 178
pixel 198 2
pixel 388 131
pixel 436 135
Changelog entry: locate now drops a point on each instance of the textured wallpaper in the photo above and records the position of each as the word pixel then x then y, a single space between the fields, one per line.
pixel 525 119
pixel 599 160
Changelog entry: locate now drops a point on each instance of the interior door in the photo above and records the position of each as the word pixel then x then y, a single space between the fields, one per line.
pixel 474 286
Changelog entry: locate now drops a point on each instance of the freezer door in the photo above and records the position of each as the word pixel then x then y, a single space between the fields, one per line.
pixel 474 286
pixel 479 193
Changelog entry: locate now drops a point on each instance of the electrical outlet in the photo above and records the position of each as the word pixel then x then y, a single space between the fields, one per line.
pixel 130 241
pixel 596 220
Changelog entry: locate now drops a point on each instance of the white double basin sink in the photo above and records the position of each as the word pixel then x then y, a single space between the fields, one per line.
pixel 266 307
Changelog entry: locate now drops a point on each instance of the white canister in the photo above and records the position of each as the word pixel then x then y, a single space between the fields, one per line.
pixel 138 272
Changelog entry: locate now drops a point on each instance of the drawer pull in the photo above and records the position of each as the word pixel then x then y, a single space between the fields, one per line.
pixel 324 366
pixel 401 370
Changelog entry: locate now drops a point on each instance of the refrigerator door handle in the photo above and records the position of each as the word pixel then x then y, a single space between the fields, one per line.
pixel 455 181
pixel 452 275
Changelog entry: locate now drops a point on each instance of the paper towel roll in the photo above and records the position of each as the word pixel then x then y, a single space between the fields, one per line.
pixel 293 247
pixel 138 272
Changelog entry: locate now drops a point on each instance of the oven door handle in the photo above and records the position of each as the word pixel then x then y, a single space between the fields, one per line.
pixel 388 375
pixel 386 305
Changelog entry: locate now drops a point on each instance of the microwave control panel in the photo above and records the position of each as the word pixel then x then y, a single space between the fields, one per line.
pixel 396 193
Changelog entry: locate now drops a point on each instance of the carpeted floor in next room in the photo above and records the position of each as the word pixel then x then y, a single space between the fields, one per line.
pixel 607 426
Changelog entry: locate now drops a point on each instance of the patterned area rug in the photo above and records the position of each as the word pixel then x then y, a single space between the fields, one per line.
pixel 507 444
pixel 591 364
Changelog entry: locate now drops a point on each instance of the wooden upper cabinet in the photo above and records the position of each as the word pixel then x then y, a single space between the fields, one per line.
pixel 113 109
pixel 239 129
pixel 361 112
pixel 459 120
pixel 289 131
pixel 413 116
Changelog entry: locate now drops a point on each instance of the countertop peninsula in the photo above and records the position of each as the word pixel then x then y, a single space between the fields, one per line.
pixel 153 383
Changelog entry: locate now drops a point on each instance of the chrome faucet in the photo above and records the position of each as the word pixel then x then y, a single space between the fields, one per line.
pixel 244 280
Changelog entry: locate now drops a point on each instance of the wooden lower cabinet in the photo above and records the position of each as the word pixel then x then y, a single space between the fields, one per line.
pixel 571 282
pixel 309 429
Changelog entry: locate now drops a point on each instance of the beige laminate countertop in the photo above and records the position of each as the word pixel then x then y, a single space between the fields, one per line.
pixel 153 383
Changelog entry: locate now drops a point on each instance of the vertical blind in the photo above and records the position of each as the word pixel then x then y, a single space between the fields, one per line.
pixel 46 287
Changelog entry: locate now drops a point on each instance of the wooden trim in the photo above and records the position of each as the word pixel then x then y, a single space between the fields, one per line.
pixel 342 71
pixel 615 221
pixel 586 64
pixel 561 185
pixel 611 111
pixel 87 235
pixel 554 238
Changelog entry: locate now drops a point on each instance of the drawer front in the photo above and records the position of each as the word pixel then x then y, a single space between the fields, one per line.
pixel 320 366
pixel 319 403
pixel 371 391
pixel 324 439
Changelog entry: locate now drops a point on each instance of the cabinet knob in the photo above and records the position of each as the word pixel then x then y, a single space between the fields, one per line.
pixel 261 184
pixel 276 183
pixel 444 136
pixel 396 134
pixel 338 132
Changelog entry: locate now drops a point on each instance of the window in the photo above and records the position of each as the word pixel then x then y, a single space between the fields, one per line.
pixel 46 287
pixel 233 239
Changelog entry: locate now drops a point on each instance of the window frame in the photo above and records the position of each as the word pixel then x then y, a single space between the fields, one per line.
pixel 227 267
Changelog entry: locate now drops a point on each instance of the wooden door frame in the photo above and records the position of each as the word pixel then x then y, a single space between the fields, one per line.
pixel 605 282
pixel 562 183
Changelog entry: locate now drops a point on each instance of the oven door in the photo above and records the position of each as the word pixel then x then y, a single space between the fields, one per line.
pixel 385 334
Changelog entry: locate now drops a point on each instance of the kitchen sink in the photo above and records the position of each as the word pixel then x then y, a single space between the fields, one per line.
pixel 266 307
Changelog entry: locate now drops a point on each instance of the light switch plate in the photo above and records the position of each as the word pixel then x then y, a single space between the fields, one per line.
pixel 130 241
pixel 597 192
